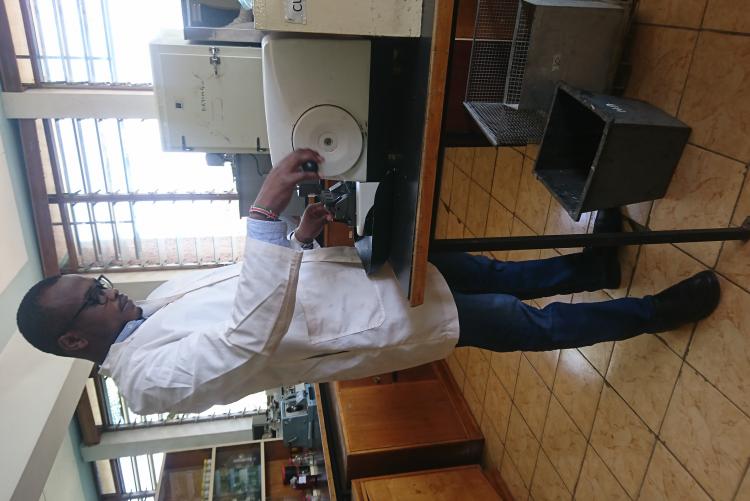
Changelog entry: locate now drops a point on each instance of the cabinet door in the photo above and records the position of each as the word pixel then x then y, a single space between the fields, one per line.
pixel 211 107
pixel 466 482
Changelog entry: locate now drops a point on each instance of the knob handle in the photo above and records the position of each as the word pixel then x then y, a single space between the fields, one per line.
pixel 310 166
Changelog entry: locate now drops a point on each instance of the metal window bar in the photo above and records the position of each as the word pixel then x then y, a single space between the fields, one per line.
pixel 60 156
pixel 86 180
pixel 127 176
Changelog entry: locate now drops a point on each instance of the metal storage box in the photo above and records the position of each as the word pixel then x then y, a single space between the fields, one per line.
pixel 522 48
pixel 601 151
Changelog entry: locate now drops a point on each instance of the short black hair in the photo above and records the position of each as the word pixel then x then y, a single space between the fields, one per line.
pixel 35 322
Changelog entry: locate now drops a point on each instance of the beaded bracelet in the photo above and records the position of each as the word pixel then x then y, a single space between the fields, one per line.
pixel 265 212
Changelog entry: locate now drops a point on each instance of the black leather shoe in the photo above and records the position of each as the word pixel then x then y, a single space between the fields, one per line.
pixel 608 221
pixel 685 302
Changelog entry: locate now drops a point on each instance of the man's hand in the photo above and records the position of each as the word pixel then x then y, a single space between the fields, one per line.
pixel 313 220
pixel 279 185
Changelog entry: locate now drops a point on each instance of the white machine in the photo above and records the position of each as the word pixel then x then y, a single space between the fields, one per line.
pixel 210 97
pixel 396 18
pixel 317 94
pixel 293 93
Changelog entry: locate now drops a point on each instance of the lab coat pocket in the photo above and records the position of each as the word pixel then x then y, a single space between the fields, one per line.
pixel 338 300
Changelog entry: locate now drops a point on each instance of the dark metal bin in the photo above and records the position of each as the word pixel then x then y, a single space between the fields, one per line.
pixel 601 151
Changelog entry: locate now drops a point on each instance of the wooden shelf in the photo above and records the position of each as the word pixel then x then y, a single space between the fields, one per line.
pixel 182 476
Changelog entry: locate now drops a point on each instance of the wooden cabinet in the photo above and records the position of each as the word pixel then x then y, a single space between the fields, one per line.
pixel 406 421
pixel 249 470
pixel 449 484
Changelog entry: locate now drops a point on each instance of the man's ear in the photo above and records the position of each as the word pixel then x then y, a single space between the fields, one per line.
pixel 71 341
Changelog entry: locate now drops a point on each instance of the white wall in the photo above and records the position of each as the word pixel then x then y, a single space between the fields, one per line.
pixel 38 392
pixel 70 478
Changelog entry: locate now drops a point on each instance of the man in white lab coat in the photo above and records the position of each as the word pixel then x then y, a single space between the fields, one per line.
pixel 288 313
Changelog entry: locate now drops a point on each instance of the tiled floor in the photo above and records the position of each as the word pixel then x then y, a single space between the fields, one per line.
pixel 650 418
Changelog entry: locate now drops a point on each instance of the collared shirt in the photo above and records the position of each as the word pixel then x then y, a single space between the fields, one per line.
pixel 129 328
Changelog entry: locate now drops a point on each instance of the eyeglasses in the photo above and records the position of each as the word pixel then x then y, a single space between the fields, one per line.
pixel 94 296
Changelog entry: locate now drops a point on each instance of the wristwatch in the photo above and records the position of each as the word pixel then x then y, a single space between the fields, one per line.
pixel 305 246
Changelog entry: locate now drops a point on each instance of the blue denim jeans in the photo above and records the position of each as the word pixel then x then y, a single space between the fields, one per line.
pixel 491 315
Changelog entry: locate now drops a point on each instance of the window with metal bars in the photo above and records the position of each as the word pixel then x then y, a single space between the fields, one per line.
pixel 114 413
pixel 120 203
pixel 101 42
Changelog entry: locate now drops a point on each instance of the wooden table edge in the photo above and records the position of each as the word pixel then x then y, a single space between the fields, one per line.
pixel 441 35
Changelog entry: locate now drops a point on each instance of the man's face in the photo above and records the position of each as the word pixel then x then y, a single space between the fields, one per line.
pixel 105 312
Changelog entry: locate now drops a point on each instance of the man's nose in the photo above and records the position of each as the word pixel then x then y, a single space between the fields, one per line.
pixel 111 294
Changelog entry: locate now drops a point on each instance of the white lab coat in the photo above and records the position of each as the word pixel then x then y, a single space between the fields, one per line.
pixel 280 317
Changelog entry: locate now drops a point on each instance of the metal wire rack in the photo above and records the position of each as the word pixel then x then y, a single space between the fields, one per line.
pixel 498 60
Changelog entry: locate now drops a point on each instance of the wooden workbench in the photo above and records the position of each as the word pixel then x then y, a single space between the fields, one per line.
pixel 413 117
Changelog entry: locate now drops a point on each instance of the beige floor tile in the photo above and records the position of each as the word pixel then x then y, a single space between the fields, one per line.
pixel 499 224
pixel 484 167
pixel 499 220
pixel 513 480
pixel 531 397
pixel 644 372
pixel 492 454
pixel 455 227
pixel 459 376
pixel 547 484
pixel 716 103
pixel 660 58
pixel 639 212
pixel 446 182
pixel 734 261
pixel 478 206
pixel 702 194
pixel 521 446
pixel 660 266
pixel 707 434
pixel 497 404
pixel 743 494
pixel 622 441
pixel 449 154
pixel 533 199
pixel 577 388
pixel 686 13
pixel 472 399
pixel 508 165
pixel 666 479
pixel 559 222
pixel 596 482
pixel 462 355
pixel 441 221
pixel 600 353
pixel 727 15
pixel 477 373
pixel 563 443
pixel 460 194
pixel 464 159
pixel 545 363
pixel 720 349
pixel 521 230
pixel 505 367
